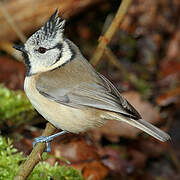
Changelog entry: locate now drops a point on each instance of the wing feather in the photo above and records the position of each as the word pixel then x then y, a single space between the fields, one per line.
pixel 101 95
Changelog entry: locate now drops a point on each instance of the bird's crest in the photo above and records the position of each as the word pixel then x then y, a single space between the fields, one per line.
pixel 53 25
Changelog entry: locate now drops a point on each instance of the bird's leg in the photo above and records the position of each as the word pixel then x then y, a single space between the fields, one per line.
pixel 47 140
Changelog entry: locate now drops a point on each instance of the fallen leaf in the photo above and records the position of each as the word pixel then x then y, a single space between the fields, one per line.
pixel 82 156
pixel 171 96
pixel 77 150
pixel 138 158
pixel 94 171
pixel 116 160
pixel 169 68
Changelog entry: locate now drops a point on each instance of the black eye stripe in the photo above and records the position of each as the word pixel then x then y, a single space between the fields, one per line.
pixel 58 46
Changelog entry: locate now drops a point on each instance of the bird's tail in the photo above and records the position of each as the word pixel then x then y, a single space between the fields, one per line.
pixel 144 126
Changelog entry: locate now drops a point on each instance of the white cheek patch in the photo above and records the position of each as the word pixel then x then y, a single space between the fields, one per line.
pixel 36 66
pixel 45 62
pixel 53 56
pixel 50 60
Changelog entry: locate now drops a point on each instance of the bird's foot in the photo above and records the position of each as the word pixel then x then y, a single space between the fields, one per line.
pixel 42 139
pixel 47 140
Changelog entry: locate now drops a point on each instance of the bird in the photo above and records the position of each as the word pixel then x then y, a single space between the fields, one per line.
pixel 67 91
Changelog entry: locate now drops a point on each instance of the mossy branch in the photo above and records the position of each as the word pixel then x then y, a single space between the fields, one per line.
pixel 106 38
pixel 35 155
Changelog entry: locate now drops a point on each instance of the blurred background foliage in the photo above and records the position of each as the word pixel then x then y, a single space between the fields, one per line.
pixel 142 60
pixel 15 108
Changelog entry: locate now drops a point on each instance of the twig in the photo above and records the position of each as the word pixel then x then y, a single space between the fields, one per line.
pixel 128 76
pixel 35 155
pixel 12 23
pixel 8 48
pixel 113 59
pixel 106 38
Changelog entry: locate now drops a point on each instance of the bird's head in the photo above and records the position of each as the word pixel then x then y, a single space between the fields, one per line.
pixel 47 48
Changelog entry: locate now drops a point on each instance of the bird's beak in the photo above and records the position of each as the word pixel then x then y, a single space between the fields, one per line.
pixel 20 48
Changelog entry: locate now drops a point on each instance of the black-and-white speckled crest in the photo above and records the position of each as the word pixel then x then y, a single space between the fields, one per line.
pixel 49 30
pixel 53 25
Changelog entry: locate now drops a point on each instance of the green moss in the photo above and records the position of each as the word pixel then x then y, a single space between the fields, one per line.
pixel 11 161
pixel 45 171
pixel 15 108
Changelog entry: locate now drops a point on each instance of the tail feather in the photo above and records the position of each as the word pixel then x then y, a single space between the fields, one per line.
pixel 150 129
pixel 146 127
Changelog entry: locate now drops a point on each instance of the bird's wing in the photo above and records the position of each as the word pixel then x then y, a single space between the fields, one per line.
pixel 101 95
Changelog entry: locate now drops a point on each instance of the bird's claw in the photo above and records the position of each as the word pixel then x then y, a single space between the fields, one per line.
pixel 47 140
pixel 42 139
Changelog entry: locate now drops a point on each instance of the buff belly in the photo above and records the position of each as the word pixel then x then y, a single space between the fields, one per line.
pixel 61 116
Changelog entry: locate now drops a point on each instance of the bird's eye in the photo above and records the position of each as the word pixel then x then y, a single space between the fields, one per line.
pixel 42 50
